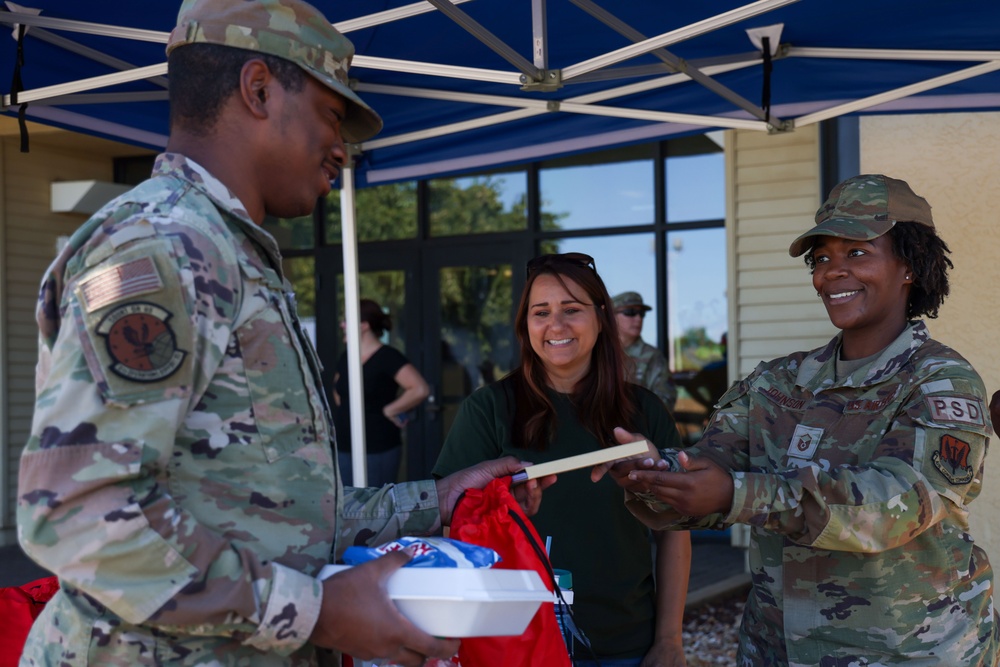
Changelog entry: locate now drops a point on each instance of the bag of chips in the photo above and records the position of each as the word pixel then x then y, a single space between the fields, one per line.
pixel 430 552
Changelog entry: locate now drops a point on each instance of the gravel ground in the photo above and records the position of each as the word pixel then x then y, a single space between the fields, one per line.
pixel 710 632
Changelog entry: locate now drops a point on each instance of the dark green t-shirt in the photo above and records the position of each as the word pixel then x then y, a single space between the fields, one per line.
pixel 593 536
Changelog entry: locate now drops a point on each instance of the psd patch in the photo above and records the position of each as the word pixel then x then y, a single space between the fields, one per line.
pixel 962 409
pixel 142 345
pixel 952 460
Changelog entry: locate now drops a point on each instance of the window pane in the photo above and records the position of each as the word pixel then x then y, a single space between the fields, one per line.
pixel 696 284
pixel 478 344
pixel 625 264
pixel 479 204
pixel 606 189
pixel 384 212
pixel 291 233
pixel 696 186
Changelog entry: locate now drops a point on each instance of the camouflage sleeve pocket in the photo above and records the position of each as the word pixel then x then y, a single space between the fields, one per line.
pixel 131 315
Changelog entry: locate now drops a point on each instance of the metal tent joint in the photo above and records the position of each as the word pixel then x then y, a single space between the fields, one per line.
pixel 781 127
pixel 548 80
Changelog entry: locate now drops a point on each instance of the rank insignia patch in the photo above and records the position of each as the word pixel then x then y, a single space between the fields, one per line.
pixel 141 343
pixel 804 442
pixel 952 460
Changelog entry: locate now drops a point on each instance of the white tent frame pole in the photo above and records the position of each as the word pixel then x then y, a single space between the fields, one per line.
pixel 138 34
pixel 542 106
pixel 539 34
pixel 352 312
pixel 892 54
pixel 433 69
pixel 490 40
pixel 899 93
pixel 453 128
pixel 673 37
pixel 104 98
pixel 91 54
pixel 87 84
pixel 388 16
pixel 526 110
pixel 676 64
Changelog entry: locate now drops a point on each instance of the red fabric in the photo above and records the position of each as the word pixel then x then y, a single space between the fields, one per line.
pixel 19 607
pixel 487 517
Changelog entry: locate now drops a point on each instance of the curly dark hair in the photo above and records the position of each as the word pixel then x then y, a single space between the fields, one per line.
pixel 203 76
pixel 926 254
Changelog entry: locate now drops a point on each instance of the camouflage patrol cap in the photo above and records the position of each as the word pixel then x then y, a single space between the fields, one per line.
pixel 289 29
pixel 864 208
pixel 630 299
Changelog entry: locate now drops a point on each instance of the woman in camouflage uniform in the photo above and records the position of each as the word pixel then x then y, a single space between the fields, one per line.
pixel 854 464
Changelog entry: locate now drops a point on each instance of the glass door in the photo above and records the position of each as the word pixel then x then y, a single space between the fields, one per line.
pixel 453 314
pixel 469 299
pixel 387 276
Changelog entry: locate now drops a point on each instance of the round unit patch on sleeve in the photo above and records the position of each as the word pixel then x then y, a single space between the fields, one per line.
pixel 140 342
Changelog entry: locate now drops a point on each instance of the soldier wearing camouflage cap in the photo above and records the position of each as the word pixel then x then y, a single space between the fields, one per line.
pixel 648 366
pixel 854 464
pixel 178 478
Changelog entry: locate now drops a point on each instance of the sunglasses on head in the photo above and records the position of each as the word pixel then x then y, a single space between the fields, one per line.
pixel 537 263
pixel 632 312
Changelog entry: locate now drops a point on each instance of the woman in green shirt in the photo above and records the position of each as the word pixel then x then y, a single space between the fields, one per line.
pixel 567 397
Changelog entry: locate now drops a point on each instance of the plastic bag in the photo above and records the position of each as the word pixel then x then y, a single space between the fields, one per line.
pixel 492 518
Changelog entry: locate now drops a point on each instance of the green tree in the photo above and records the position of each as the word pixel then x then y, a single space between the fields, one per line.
pixel 384 212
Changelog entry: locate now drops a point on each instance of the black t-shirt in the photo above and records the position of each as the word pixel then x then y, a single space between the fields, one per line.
pixel 380 389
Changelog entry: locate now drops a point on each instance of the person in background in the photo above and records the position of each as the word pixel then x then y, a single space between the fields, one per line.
pixel 708 385
pixel 566 398
pixel 854 464
pixel 648 366
pixel 179 478
pixel 393 388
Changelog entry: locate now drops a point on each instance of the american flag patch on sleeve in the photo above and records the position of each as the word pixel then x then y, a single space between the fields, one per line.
pixel 118 282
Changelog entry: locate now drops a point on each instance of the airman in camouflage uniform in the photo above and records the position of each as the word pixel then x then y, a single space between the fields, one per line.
pixel 855 478
pixel 648 367
pixel 179 478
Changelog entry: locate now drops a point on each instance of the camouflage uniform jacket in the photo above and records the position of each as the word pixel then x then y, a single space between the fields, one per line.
pixel 857 495
pixel 179 478
pixel 649 368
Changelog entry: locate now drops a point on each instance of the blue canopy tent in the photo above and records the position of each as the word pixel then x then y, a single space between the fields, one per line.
pixel 469 84
pixel 465 85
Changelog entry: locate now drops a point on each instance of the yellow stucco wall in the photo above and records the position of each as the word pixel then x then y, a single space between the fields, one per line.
pixel 953 160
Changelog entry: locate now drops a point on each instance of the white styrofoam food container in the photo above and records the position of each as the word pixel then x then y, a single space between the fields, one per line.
pixel 464 602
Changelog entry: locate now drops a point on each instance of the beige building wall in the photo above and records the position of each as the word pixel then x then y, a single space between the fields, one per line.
pixel 953 160
pixel 29 231
pixel 774 190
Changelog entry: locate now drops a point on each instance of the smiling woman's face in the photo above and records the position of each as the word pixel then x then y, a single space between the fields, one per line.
pixel 865 288
pixel 562 329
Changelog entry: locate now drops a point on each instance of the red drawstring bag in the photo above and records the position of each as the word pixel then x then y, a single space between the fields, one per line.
pixel 492 518
pixel 19 607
